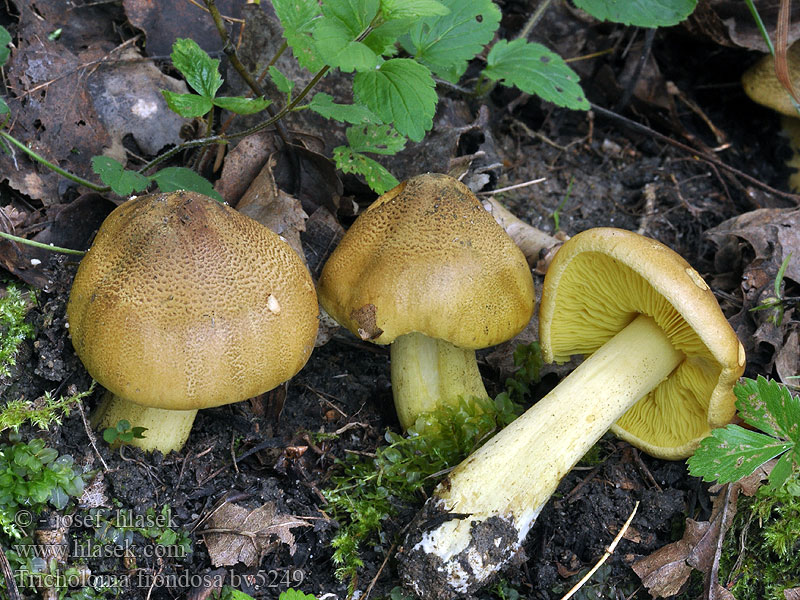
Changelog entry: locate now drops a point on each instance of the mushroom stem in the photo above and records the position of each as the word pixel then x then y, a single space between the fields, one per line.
pixel 504 485
pixel 429 372
pixel 167 430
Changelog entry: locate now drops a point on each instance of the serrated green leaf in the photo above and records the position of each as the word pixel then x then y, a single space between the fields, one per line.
pixel 379 139
pixel 297 18
pixel 770 407
pixel 121 181
pixel 641 13
pixel 240 105
pixel 376 175
pixel 781 471
pixel 356 114
pixel 198 68
pixel 733 452
pixel 335 42
pixel 401 92
pixel 172 179
pixel 535 70
pixel 446 43
pixel 283 83
pixel 5 40
pixel 412 9
pixel 187 105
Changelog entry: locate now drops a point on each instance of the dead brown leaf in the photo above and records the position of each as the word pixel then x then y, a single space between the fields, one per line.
pixel 266 203
pixel 792 594
pixel 729 22
pixel 238 534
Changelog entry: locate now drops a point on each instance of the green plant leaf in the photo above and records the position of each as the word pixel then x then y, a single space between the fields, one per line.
pixel 535 70
pixel 121 181
pixel 242 106
pixel 377 176
pixel 781 471
pixel 401 92
pixel 445 43
pixel 733 452
pixel 3 110
pixel 198 68
pixel 180 178
pixel 297 18
pixel 187 105
pixel 770 407
pixel 5 40
pixel 379 139
pixel 292 594
pixel 336 43
pixel 110 435
pixel 283 83
pixel 641 13
pixel 412 9
pixel 356 114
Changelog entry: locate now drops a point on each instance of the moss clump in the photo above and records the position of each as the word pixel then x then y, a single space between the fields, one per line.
pixel 13 329
pixel 761 555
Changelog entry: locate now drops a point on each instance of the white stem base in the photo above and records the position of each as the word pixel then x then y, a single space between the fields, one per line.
pixel 167 430
pixel 428 373
pixel 507 481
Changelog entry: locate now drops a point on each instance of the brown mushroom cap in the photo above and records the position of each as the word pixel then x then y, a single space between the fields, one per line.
pixel 761 83
pixel 603 278
pixel 427 257
pixel 183 303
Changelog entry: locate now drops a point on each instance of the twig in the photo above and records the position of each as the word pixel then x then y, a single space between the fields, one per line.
pixel 372 583
pixel 700 155
pixel 8 575
pixel 90 433
pixel 609 551
pixel 516 186
pixel 713 574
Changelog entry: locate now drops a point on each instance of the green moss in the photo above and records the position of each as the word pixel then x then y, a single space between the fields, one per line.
pixel 14 305
pixel 761 555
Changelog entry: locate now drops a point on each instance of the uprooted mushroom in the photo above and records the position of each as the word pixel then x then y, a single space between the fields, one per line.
pixel 183 303
pixel 661 362
pixel 426 269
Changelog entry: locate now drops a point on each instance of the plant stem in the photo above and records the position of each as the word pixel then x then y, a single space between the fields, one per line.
pixel 21 240
pixel 53 167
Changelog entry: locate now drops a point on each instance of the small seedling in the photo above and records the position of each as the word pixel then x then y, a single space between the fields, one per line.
pixel 557 211
pixel 733 452
pixel 123 433
pixel 230 593
pixel 778 303
pixel 42 412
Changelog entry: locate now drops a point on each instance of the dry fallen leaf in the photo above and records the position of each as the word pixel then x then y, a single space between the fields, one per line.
pixel 792 594
pixel 238 534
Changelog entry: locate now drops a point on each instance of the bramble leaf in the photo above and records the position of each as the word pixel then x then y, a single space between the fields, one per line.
pixel 377 176
pixel 198 68
pixel 379 139
pixel 283 83
pixel 5 40
pixel 535 70
pixel 356 114
pixel 401 92
pixel 297 18
pixel 121 181
pixel 242 106
pixel 733 452
pixel 187 105
pixel 336 43
pixel 181 178
pixel 446 43
pixel 412 9
pixel 770 407
pixel 642 13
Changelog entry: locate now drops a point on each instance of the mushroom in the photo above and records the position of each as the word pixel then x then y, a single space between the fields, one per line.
pixel 761 84
pixel 426 269
pixel 661 362
pixel 183 303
